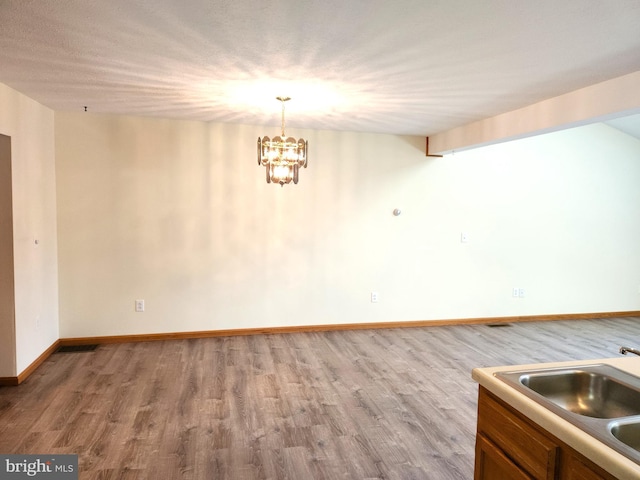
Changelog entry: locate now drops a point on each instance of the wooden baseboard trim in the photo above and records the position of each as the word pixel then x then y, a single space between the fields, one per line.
pixel 9 381
pixel 337 327
pixel 14 381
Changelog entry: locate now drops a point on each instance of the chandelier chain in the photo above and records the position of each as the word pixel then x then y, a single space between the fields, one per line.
pixel 283 99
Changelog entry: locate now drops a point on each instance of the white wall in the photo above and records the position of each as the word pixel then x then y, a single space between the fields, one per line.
pixel 558 215
pixel 178 213
pixel 30 126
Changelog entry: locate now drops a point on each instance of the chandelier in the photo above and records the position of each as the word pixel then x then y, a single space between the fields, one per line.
pixel 282 157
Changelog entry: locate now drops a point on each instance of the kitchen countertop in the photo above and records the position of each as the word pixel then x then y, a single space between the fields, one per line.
pixel 607 458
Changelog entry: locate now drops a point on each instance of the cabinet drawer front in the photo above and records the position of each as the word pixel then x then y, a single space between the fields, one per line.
pixel 493 464
pixel 527 447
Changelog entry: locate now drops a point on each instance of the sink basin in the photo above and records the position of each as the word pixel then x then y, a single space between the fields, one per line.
pixel 627 433
pixel 601 400
pixel 586 392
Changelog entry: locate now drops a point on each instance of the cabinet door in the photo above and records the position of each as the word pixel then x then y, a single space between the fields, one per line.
pixel 574 469
pixel 493 464
pixel 527 446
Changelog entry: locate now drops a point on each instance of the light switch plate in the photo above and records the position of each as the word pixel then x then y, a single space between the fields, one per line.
pixel 139 305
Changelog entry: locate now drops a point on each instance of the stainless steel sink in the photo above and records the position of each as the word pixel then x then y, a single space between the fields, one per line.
pixel 599 399
pixel 627 432
pixel 586 392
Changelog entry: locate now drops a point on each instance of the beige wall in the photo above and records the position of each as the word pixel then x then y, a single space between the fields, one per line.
pixel 30 126
pixel 7 290
pixel 178 213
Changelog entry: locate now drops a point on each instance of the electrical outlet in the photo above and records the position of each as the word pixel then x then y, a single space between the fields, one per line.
pixel 374 297
pixel 517 292
pixel 464 237
pixel 139 305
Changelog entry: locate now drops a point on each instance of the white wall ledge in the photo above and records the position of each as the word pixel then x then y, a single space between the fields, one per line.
pixel 600 102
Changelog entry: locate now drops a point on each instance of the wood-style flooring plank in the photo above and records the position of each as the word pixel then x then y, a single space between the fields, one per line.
pixel 363 404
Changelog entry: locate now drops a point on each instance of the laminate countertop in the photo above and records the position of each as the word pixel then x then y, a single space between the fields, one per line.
pixel 607 458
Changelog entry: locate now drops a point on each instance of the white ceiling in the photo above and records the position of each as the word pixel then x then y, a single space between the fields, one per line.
pixel 404 67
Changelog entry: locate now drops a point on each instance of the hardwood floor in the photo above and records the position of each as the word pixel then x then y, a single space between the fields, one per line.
pixel 384 404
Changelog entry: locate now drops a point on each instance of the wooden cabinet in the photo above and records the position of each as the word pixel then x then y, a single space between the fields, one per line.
pixel 491 462
pixel 574 468
pixel 525 445
pixel 511 447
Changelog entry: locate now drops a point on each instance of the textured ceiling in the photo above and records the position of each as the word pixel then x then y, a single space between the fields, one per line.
pixel 404 66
